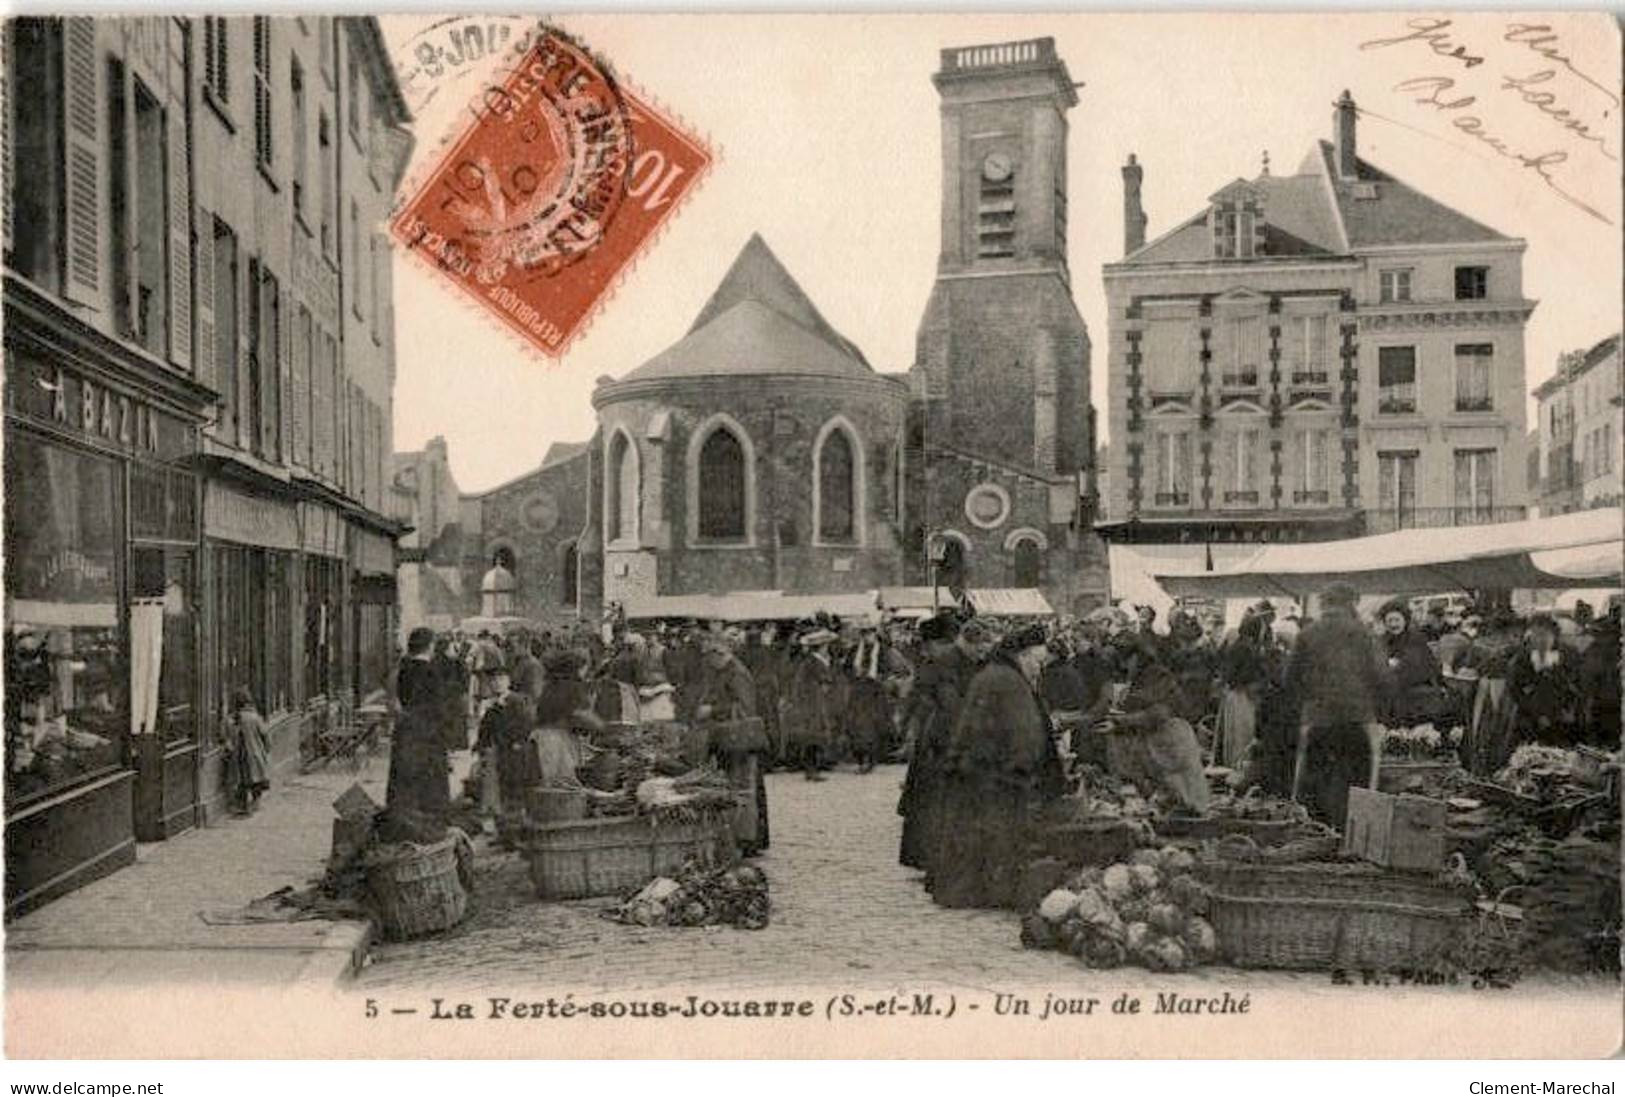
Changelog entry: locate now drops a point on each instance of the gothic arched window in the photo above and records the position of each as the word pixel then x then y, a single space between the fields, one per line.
pixel 568 583
pixel 621 479
pixel 1028 562
pixel 722 486
pixel 837 488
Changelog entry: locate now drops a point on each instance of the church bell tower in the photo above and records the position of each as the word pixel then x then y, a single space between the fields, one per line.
pixel 1002 354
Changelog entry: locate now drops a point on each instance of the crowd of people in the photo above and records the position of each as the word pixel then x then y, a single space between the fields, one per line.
pixel 995 717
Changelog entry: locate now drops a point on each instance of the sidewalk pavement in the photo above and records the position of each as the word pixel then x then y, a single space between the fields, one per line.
pixel 144 923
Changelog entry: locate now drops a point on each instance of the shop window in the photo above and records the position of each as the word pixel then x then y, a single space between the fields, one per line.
pixel 34 98
pixel 67 672
pixel 323 652
pixel 163 622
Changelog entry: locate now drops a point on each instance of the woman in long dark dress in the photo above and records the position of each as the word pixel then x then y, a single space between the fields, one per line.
pixel 418 795
pixel 1415 696
pixel 252 749
pixel 1000 769
pixel 1542 682
pixel 932 705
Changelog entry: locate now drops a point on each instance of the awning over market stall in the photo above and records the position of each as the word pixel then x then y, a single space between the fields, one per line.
pixel 1538 553
pixel 916 602
pixel 752 605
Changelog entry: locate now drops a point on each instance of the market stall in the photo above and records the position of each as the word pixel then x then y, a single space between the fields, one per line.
pixel 1539 553
pixel 751 605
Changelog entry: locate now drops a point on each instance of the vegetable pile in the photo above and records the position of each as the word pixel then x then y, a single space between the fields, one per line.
pixel 1420 743
pixel 1148 911
pixel 1256 807
pixel 1547 773
pixel 700 897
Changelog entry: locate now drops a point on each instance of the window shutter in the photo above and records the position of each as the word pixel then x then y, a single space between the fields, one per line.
pixel 287 318
pixel 203 348
pixel 6 156
pixel 180 234
pixel 81 99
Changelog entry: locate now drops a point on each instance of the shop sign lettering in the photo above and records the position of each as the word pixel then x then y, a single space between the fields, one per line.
pixel 105 414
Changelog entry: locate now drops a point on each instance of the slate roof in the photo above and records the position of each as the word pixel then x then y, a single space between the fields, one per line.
pixel 1308 213
pixel 563 451
pixel 758 321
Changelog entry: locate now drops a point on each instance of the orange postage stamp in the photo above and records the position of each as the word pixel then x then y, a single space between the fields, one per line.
pixel 562 178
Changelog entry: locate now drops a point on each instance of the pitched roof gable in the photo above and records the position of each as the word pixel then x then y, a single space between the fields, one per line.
pixel 758 275
pixel 1377 208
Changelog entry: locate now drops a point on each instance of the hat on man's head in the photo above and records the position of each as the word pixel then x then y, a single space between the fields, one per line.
pixel 1027 636
pixel 1340 594
pixel 818 637
pixel 941 627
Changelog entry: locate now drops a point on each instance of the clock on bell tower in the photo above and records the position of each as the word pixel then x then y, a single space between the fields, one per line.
pixel 1002 352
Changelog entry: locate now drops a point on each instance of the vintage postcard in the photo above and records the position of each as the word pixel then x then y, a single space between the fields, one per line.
pixel 849 535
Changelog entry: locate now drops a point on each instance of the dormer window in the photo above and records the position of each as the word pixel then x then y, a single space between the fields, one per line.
pixel 1232 233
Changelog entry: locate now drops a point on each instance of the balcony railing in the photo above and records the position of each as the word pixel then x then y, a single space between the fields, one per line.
pixel 1397 403
pixel 1475 403
pixel 1387 521
pixel 1311 498
pixel 1246 497
pixel 1173 498
pixel 1246 380
pixel 1313 378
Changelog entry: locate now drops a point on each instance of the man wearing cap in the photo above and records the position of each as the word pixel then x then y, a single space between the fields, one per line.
pixel 810 714
pixel 1336 679
pixel 928 719
pixel 999 770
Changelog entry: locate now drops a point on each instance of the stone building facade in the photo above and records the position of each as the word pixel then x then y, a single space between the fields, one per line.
pixel 762 451
pixel 1580 427
pixel 1311 356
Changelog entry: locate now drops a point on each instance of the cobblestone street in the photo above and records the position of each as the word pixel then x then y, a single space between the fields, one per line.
pixel 844 913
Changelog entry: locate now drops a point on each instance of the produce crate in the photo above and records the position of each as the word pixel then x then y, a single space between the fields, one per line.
pixel 418 891
pixel 594 857
pixel 1395 775
pixel 1400 832
pixel 1330 915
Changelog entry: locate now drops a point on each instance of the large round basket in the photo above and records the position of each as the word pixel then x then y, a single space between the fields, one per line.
pixel 417 891
pixel 555 805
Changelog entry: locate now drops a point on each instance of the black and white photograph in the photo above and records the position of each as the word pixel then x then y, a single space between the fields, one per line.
pixel 830 536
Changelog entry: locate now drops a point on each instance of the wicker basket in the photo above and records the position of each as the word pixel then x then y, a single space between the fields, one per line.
pixel 1324 916
pixel 1093 842
pixel 594 857
pixel 555 805
pixel 418 892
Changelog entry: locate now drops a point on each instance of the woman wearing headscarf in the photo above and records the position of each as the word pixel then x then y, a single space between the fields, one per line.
pixel 1542 682
pixel 1415 682
pixel 928 719
pixel 418 794
pixel 999 770
pixel 1245 668
pixel 1164 744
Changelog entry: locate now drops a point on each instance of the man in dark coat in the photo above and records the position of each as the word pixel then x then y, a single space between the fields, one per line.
pixel 810 713
pixel 1000 769
pixel 932 706
pixel 418 794
pixel 1336 681
pixel 727 695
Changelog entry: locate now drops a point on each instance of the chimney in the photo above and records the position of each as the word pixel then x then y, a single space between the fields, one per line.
pixel 1343 122
pixel 1134 219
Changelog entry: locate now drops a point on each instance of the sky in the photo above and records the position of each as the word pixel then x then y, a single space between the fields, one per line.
pixel 828 144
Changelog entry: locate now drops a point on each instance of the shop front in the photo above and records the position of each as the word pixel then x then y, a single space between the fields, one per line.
pixel 372 614
pixel 101 540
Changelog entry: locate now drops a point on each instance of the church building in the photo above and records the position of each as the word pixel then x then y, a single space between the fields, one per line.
pixel 762 451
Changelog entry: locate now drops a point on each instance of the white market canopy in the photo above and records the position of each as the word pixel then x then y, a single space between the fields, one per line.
pixel 912 602
pixel 751 605
pixel 1568 550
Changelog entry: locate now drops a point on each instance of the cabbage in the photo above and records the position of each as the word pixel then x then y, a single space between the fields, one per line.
pixel 1200 939
pixel 1176 860
pixel 1166 954
pixel 1167 919
pixel 1119 883
pixel 1145 879
pixel 1103 952
pixel 1188 893
pixel 1145 857
pixel 1037 933
pixel 1092 908
pixel 1136 937
pixel 1057 905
